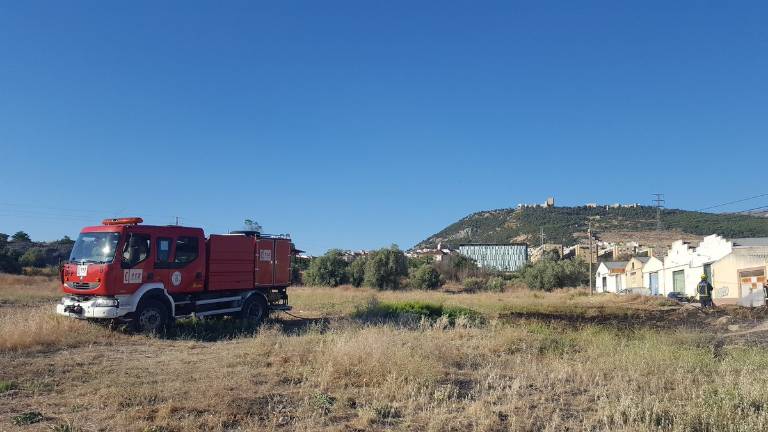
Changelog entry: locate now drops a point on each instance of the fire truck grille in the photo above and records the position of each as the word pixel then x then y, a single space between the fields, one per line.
pixel 83 285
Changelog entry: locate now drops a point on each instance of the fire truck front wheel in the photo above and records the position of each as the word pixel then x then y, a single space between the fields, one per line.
pixel 255 309
pixel 151 316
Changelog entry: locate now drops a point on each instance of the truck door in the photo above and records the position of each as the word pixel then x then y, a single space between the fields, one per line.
pixel 188 265
pixel 163 260
pixel 265 254
pixel 135 261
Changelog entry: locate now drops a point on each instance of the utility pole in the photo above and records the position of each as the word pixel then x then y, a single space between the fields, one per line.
pixel 589 233
pixel 659 205
pixel 542 236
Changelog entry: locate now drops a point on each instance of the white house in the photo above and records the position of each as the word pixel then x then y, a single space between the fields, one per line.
pixel 610 276
pixel 653 276
pixel 684 265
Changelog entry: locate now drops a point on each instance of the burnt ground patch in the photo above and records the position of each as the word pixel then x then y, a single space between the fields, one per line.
pixel 682 317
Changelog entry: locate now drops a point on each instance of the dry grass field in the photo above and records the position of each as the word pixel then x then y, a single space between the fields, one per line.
pixel 364 360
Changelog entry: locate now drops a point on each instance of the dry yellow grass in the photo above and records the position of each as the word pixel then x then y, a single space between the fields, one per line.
pixel 26 290
pixel 342 374
pixel 38 328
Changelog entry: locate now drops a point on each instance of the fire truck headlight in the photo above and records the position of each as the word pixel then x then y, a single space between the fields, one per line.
pixel 105 302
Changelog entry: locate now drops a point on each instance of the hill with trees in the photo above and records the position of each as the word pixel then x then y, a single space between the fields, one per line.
pixel 567 225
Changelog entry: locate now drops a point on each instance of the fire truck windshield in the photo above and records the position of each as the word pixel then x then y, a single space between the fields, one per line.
pixel 95 247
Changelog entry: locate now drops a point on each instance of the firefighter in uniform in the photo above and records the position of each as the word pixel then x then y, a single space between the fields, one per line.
pixel 704 289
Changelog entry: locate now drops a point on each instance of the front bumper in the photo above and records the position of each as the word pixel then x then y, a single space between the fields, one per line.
pixel 85 309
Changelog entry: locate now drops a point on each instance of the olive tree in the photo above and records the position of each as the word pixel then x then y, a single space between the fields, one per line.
pixel 385 267
pixel 327 270
pixel 425 277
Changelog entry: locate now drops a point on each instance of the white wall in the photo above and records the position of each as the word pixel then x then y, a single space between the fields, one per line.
pixel 691 260
pixel 655 265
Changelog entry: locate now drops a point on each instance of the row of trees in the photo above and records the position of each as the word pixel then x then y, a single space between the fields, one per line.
pixel 389 268
pixel 381 269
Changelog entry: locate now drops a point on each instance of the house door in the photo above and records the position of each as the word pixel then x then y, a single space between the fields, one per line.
pixel 678 281
pixel 618 283
pixel 605 284
pixel 654 283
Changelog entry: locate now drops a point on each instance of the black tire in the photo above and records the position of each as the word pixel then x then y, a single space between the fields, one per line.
pixel 151 316
pixel 255 310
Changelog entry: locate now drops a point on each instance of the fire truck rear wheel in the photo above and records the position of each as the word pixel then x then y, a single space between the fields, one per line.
pixel 255 309
pixel 151 316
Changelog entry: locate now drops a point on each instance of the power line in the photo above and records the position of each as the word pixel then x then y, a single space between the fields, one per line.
pixel 733 202
pixel 752 209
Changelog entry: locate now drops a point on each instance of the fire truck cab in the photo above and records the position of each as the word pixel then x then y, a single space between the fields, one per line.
pixel 148 275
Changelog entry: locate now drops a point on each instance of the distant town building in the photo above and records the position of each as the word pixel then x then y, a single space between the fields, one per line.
pixel 504 257
pixel 350 256
pixel 437 253
pixel 549 203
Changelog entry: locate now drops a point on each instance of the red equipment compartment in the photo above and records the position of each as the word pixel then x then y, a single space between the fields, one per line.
pixel 282 262
pixel 273 262
pixel 230 262
pixel 265 256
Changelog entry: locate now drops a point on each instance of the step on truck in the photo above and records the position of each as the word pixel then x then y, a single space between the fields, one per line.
pixel 147 275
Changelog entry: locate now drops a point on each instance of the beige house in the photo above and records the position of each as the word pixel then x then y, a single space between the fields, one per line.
pixel 634 272
pixel 740 276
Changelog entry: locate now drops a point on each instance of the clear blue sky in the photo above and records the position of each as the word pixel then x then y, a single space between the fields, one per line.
pixel 359 124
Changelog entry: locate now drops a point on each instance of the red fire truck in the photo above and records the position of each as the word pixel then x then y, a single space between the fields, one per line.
pixel 148 275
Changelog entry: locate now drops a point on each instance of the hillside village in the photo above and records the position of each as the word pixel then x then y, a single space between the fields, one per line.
pixel 623 262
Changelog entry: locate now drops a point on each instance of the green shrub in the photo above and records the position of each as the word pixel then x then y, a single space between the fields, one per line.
pixel 356 271
pixel 547 275
pixel 6 386
pixel 323 402
pixel 34 257
pixel 474 284
pixel 385 267
pixel 495 284
pixel 425 277
pixel 432 311
pixel 416 262
pixel 27 418
pixel 327 270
